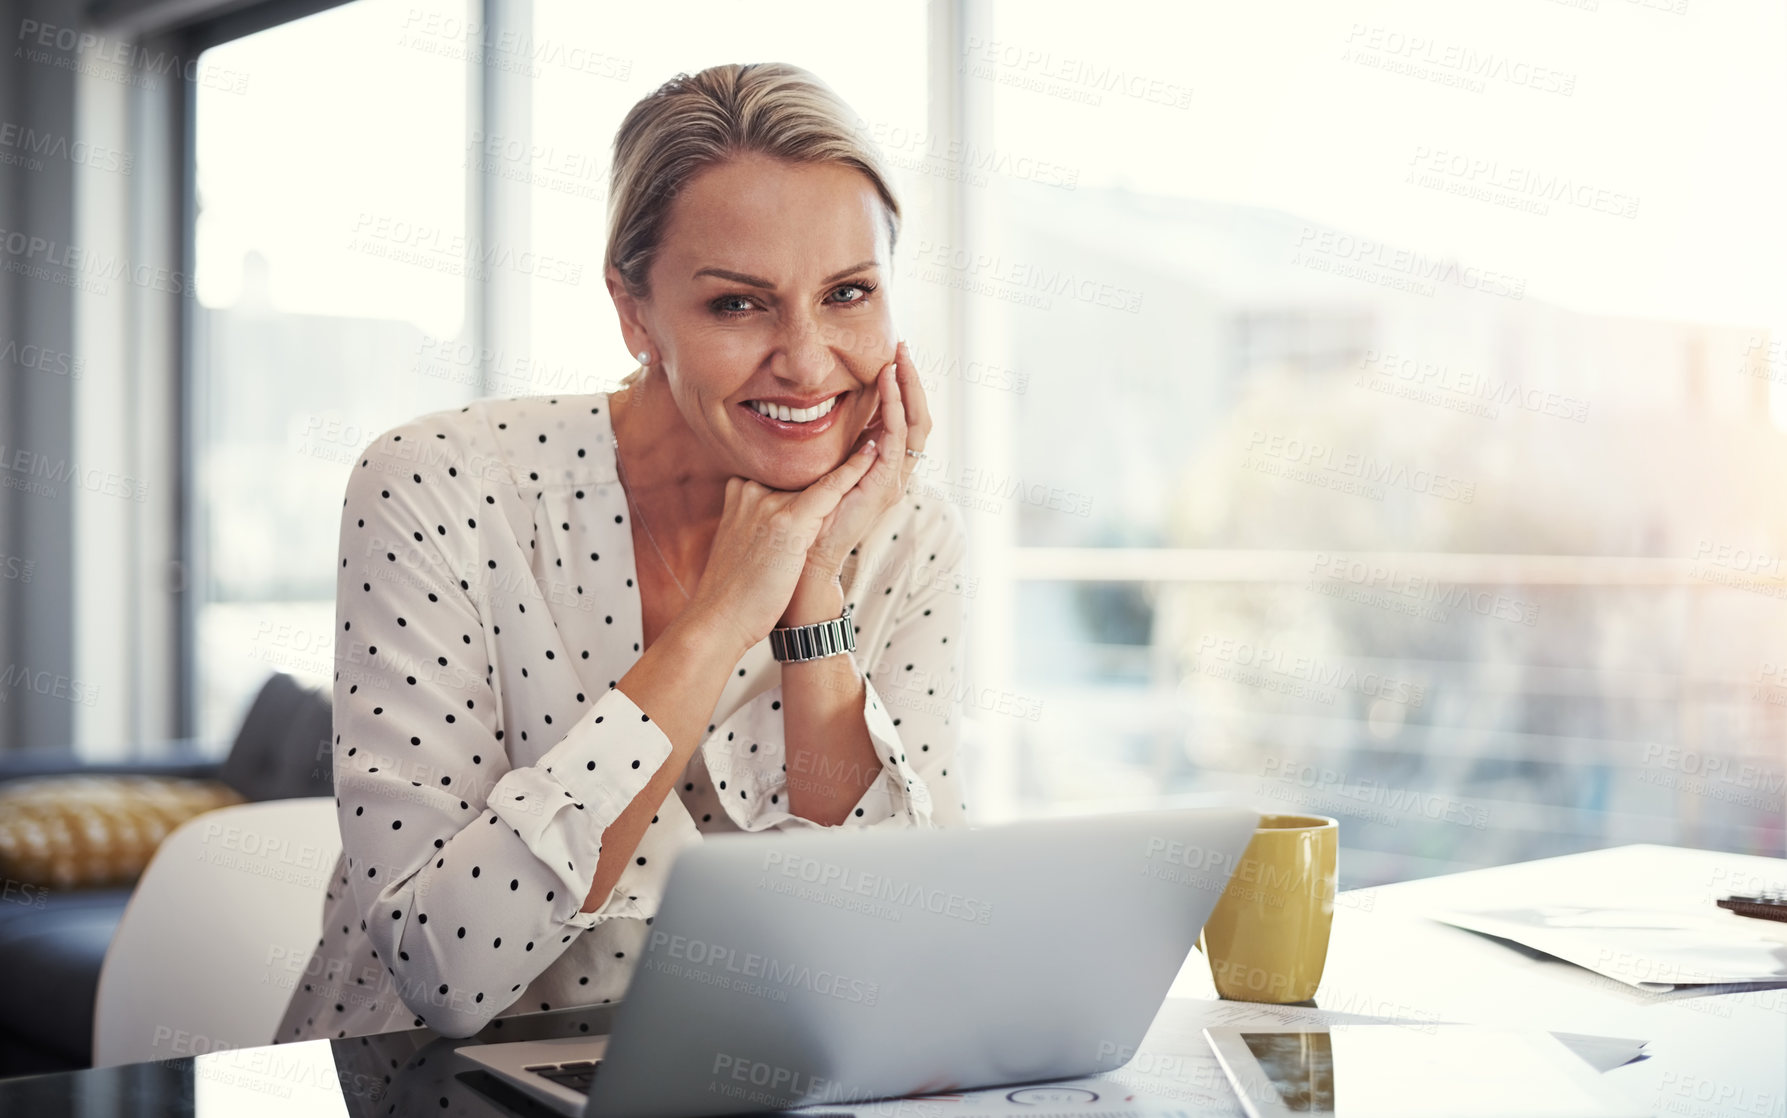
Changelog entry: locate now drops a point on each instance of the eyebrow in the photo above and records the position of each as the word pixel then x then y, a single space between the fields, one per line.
pixel 759 281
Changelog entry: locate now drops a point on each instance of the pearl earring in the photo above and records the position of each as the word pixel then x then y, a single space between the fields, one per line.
pixel 644 357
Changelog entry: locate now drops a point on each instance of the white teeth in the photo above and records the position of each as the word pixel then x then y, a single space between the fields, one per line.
pixel 795 415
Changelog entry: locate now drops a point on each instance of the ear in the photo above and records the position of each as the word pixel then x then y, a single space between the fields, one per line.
pixel 631 311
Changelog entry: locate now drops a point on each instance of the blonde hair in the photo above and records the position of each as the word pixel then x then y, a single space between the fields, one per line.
pixel 692 123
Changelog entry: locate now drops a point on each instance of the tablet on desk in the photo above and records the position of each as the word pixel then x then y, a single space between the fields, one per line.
pixel 1390 1071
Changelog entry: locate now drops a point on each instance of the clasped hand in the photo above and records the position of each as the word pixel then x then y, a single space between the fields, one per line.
pixel 778 555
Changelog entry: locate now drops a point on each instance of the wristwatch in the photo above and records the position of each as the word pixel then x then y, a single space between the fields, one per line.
pixel 813 642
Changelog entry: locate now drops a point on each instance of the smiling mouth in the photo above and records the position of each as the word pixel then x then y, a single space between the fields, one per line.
pixel 794 415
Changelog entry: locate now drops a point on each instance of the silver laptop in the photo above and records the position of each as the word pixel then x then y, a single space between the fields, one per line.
pixel 805 967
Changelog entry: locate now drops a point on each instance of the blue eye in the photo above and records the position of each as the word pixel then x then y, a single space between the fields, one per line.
pixel 720 306
pixel 867 289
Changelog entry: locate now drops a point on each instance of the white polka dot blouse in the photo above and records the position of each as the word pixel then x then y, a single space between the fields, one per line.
pixel 485 607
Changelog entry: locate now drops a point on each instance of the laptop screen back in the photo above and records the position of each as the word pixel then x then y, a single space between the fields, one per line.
pixel 791 968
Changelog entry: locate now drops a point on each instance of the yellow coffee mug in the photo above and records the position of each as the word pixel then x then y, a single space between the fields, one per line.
pixel 1268 936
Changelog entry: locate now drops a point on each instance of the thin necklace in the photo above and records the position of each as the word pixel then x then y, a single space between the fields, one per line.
pixel 625 490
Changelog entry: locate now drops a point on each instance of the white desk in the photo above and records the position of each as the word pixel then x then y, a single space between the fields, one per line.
pixel 1709 1054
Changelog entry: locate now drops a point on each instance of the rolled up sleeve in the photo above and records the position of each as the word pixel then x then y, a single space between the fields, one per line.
pixel 469 874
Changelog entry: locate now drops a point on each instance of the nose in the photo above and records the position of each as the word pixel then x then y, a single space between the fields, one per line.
pixel 807 357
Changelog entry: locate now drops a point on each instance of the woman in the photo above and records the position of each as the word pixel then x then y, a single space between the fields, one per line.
pixel 554 664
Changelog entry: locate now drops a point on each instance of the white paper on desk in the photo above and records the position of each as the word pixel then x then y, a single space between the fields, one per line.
pixel 1603 1053
pixel 1651 949
pixel 1174 1074
pixel 1466 1072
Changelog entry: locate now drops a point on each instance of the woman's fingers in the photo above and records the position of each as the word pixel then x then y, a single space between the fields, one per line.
pixel 815 502
pixel 877 491
pixel 918 406
pixel 915 408
pixel 845 501
pixel 887 479
pixel 882 429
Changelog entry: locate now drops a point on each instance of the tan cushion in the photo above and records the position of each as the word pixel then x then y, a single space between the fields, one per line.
pixel 82 832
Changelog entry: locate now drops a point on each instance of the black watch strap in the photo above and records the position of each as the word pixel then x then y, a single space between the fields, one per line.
pixel 813 642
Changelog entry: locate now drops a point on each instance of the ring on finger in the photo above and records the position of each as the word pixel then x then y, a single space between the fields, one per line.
pixel 910 453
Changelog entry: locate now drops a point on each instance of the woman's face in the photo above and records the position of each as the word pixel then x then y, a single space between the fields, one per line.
pixel 769 288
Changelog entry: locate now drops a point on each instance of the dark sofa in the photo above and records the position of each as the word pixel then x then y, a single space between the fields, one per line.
pixel 52 954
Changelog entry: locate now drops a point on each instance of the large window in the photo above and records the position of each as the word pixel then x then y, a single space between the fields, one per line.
pixel 1396 418
pixel 332 220
pixel 1379 412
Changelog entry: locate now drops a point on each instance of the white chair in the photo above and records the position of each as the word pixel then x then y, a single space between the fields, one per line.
pixel 217 932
